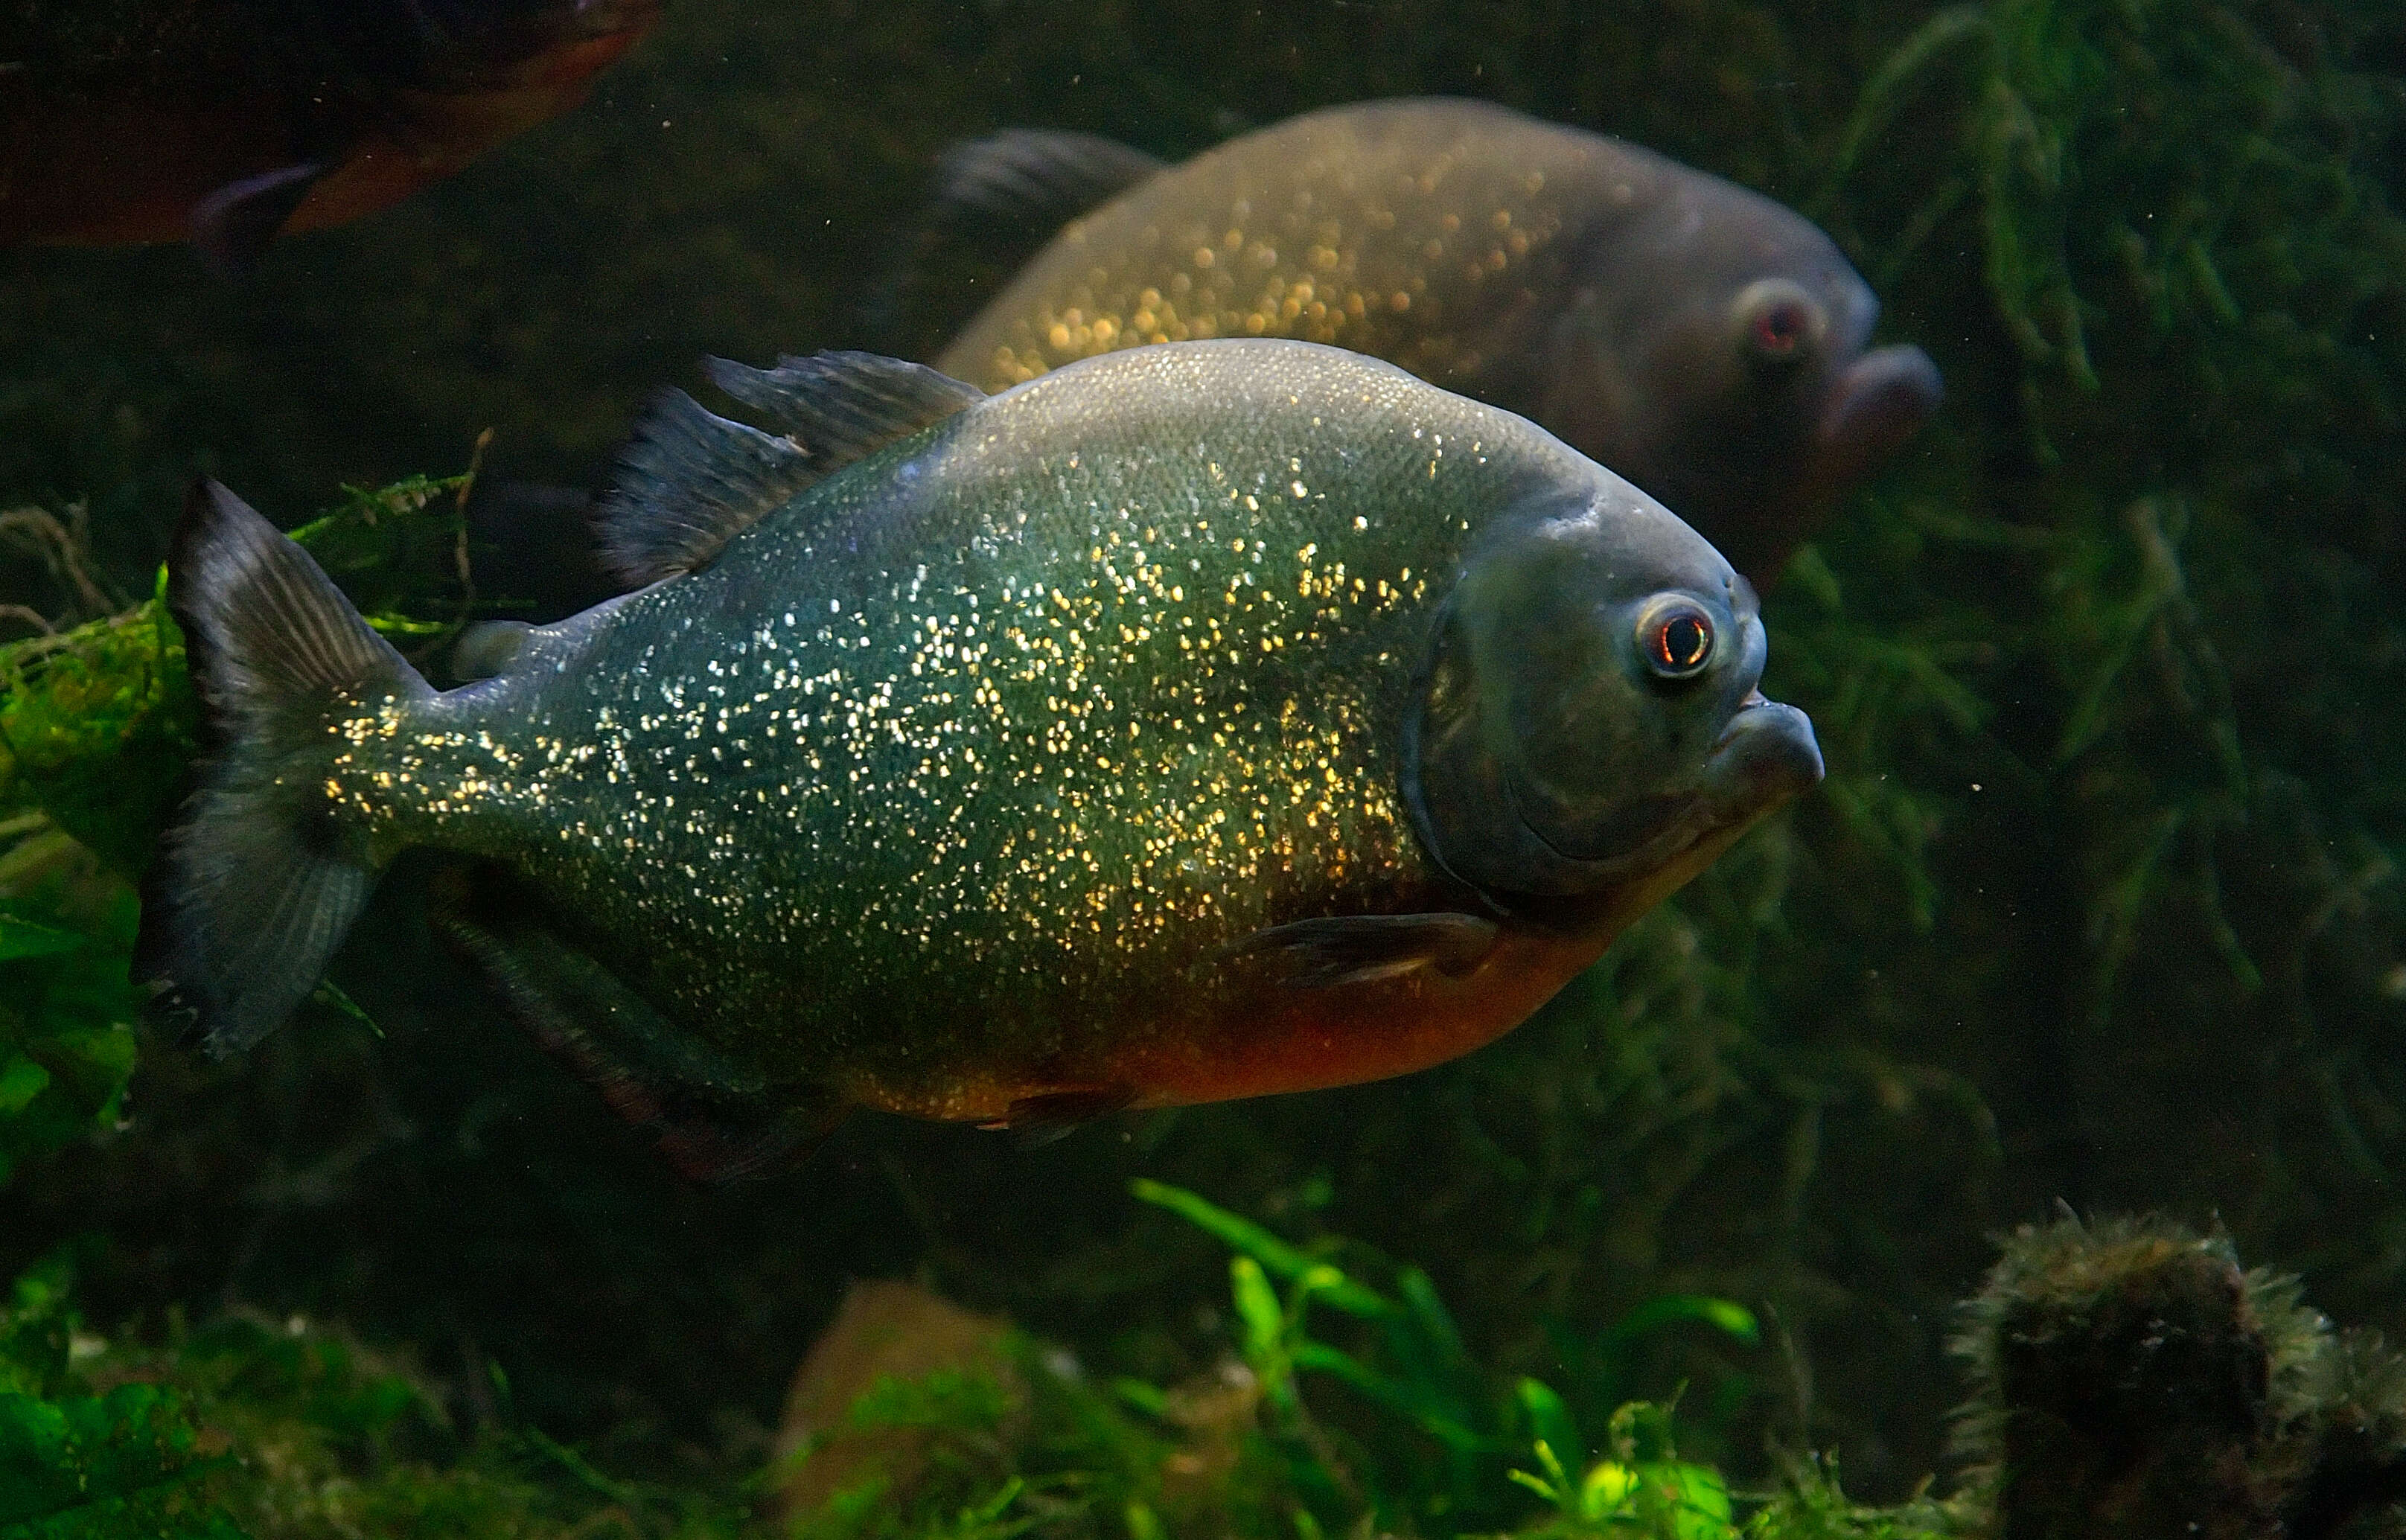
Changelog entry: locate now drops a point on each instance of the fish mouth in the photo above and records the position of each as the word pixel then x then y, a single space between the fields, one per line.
pixel 1764 756
pixel 1876 403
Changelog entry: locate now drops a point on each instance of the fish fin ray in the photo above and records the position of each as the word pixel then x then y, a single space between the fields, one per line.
pixel 993 204
pixel 1041 179
pixel 688 482
pixel 259 879
pixel 714 1121
pixel 233 227
pixel 1331 952
pixel 1050 1116
pixel 844 406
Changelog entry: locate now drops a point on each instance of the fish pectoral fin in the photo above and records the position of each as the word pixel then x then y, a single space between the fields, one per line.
pixel 233 227
pixel 1050 1116
pixel 1363 948
pixel 714 1121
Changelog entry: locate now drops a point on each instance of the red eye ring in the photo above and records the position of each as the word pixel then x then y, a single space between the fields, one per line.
pixel 1680 643
pixel 1780 327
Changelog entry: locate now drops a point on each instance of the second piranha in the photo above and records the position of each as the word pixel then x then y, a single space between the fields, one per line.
pixel 1700 339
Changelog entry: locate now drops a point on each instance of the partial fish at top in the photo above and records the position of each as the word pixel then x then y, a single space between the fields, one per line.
pixel 1697 338
pixel 226 121
pixel 1196 722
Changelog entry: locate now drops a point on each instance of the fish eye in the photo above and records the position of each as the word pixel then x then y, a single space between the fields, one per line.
pixel 1677 638
pixel 1779 329
pixel 1780 319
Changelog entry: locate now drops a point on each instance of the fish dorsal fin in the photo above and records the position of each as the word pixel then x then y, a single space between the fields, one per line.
pixel 841 407
pixel 1040 178
pixel 992 204
pixel 690 480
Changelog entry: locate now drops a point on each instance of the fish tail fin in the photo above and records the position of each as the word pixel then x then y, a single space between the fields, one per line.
pixel 255 887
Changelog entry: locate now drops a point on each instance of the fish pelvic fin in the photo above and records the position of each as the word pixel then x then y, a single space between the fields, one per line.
pixel 256 886
pixel 690 480
pixel 233 227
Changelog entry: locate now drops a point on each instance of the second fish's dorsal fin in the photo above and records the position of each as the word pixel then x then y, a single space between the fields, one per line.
pixel 1041 179
pixel 841 407
pixel 690 480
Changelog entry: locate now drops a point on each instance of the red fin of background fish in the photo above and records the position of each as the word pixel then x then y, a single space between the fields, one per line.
pixel 233 227
pixel 1360 948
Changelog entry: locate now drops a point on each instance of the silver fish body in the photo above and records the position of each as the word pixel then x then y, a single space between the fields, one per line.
pixel 1133 737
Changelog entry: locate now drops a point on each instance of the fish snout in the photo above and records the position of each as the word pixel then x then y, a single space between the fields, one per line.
pixel 1876 403
pixel 1766 755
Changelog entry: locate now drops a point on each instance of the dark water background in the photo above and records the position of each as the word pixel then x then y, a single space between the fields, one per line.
pixel 2100 906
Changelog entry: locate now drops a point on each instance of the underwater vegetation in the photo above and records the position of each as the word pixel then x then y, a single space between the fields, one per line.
pixel 261 1428
pixel 2127 1378
pixel 2099 901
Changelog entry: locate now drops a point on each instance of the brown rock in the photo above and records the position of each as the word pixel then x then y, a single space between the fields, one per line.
pixel 892 1334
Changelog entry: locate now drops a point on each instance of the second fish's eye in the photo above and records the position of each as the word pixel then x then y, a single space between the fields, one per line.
pixel 1777 320
pixel 1678 642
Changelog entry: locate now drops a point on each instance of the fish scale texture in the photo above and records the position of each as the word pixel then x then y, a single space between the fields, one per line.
pixel 1001 731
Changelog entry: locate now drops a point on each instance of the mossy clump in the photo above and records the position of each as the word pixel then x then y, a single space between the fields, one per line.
pixel 2130 1379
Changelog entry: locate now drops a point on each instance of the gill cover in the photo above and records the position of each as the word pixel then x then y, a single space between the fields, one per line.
pixel 1583 676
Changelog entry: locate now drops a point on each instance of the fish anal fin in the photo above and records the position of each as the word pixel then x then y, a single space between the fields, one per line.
pixel 1049 1116
pixel 1329 953
pixel 1040 177
pixel 233 227
pixel 713 1122
pixel 688 482
pixel 844 406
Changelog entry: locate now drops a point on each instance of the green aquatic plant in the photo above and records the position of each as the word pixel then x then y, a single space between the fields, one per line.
pixel 1415 1369
pixel 67 1013
pixel 247 1427
pixel 97 724
pixel 78 1462
pixel 1641 1488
